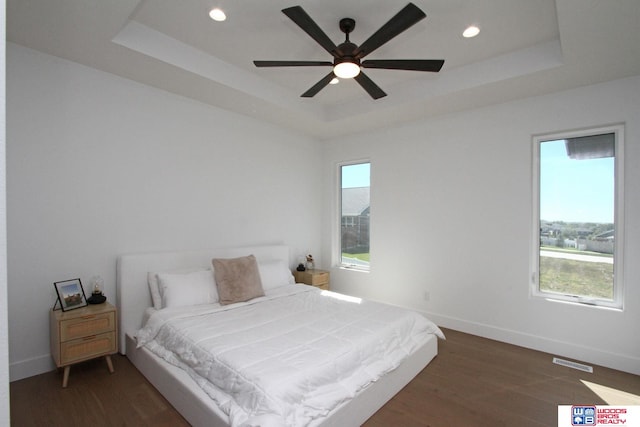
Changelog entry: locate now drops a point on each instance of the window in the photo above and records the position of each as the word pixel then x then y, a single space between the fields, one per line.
pixel 354 215
pixel 578 217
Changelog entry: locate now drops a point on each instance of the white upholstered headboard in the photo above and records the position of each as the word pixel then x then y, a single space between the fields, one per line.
pixel 132 290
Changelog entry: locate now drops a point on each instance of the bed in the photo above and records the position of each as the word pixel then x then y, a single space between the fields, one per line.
pixel 202 404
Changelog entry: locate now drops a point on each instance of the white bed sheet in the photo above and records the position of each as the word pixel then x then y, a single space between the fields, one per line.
pixel 294 369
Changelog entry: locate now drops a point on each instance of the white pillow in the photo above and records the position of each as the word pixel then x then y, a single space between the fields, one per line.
pixel 154 288
pixel 156 298
pixel 179 290
pixel 274 274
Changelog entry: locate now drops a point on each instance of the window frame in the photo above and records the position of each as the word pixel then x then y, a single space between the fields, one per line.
pixel 337 228
pixel 618 281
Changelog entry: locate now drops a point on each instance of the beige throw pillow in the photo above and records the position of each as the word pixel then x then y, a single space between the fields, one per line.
pixel 237 279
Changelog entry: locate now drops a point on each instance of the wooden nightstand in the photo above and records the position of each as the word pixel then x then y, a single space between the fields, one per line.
pixel 317 278
pixel 82 334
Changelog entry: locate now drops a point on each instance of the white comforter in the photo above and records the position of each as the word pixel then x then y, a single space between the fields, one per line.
pixel 289 358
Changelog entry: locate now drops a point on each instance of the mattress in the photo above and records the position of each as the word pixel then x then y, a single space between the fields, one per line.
pixel 289 358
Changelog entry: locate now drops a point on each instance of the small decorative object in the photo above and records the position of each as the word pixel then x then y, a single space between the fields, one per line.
pixel 96 295
pixel 70 294
pixel 301 267
pixel 310 263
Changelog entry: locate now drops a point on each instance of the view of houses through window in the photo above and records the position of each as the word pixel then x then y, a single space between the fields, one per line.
pixel 354 215
pixel 576 218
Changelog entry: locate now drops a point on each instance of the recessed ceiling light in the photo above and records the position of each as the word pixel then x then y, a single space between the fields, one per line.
pixel 471 31
pixel 334 81
pixel 217 15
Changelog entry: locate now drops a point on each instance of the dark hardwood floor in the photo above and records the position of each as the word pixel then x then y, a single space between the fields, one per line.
pixel 479 382
pixel 93 397
pixel 472 382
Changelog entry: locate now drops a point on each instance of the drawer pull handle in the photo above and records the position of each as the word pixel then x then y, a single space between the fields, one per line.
pixel 89 338
pixel 91 316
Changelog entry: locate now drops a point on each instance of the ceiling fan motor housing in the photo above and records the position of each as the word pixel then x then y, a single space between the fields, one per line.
pixel 345 53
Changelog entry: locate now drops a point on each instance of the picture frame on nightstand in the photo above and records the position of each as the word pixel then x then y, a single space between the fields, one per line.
pixel 70 294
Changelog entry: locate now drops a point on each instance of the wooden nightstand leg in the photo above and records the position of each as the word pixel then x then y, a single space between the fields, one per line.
pixel 65 376
pixel 109 363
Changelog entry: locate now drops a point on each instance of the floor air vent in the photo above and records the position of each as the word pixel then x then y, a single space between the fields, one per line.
pixel 574 365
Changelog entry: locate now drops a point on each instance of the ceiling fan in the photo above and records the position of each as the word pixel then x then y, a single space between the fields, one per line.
pixel 347 57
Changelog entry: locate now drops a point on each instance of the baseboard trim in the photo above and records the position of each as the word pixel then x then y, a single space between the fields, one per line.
pixel 30 367
pixel 41 364
pixel 577 352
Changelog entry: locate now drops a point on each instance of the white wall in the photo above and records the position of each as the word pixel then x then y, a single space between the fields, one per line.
pixel 4 327
pixel 451 215
pixel 99 166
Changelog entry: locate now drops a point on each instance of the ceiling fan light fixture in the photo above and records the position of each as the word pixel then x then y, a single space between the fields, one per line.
pixel 346 70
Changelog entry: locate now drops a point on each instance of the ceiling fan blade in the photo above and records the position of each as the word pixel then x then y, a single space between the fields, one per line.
pixel 291 63
pixel 319 86
pixel 308 25
pixel 433 65
pixel 404 19
pixel 368 85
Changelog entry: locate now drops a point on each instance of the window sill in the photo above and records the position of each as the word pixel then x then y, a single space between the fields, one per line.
pixel 580 302
pixel 353 268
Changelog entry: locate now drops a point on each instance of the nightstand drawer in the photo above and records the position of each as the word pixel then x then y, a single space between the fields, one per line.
pixel 87 348
pixel 91 324
pixel 317 279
